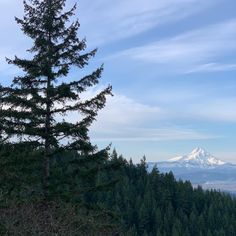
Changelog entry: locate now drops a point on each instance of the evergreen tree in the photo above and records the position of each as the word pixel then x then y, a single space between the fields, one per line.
pixel 156 211
pixel 209 233
pixel 32 107
pixel 158 233
pixel 177 229
pixel 132 231
pixel 186 232
pixel 175 232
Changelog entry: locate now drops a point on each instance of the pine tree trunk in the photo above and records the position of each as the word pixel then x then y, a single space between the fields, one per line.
pixel 46 162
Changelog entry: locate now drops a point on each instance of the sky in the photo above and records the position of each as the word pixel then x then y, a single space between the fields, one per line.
pixel 172 65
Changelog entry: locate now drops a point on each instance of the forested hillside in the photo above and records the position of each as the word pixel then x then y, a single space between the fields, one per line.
pixel 139 203
pixel 156 204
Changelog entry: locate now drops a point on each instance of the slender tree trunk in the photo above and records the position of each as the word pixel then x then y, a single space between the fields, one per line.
pixel 46 161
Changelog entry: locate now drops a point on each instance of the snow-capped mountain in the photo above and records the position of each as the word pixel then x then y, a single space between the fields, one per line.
pixel 201 168
pixel 198 158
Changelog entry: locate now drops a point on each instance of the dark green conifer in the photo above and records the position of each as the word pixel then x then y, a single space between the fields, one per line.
pixel 32 105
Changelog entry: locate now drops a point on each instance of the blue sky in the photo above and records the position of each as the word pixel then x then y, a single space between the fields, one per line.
pixel 172 65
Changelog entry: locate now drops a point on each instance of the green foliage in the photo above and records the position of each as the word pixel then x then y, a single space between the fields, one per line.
pixel 141 203
pixel 44 155
pixel 42 97
pixel 156 204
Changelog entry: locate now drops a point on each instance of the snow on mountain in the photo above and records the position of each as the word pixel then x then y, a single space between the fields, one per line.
pixel 198 157
pixel 200 168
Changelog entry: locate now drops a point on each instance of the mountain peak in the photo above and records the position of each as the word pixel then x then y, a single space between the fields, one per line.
pixel 199 150
pixel 199 153
pixel 198 157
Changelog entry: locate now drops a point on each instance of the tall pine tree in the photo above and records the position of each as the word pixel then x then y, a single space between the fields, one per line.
pixel 32 105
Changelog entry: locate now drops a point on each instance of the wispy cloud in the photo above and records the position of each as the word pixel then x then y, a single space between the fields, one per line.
pixel 151 134
pixel 219 109
pixel 121 110
pixel 189 50
pixel 212 67
pixel 103 21
pixel 124 119
pixel 114 20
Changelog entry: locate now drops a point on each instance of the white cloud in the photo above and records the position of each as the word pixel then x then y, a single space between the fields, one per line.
pixel 188 50
pixel 121 110
pixel 118 19
pixel 220 109
pixel 169 133
pixel 227 156
pixel 212 67
pixel 124 119
pixel 104 20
